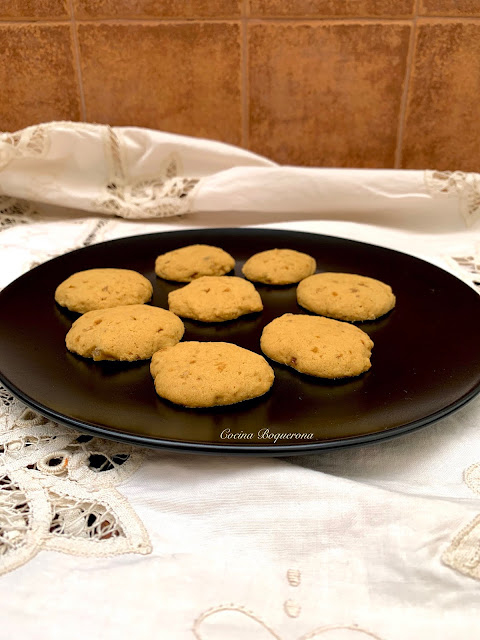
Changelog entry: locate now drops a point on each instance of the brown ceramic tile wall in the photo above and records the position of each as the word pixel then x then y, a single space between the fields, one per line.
pixel 182 77
pixel 358 83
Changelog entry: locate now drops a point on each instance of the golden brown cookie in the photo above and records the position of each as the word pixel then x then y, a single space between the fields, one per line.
pixel 345 296
pixel 131 332
pixel 209 374
pixel 279 266
pixel 215 299
pixel 196 260
pixel 103 288
pixel 317 346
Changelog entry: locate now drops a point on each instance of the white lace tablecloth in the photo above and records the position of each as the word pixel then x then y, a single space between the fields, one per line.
pixel 103 540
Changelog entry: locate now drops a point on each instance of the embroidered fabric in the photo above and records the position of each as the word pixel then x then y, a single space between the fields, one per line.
pixel 14 211
pixel 165 194
pixel 463 553
pixel 57 490
pixel 233 616
pixel 467 266
pixel 137 173
pixel 464 186
pixel 27 143
pixel 62 491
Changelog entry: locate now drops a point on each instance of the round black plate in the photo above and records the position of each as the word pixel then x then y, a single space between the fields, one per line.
pixel 425 364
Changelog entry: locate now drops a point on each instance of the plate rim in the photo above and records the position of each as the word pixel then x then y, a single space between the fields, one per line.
pixel 272 449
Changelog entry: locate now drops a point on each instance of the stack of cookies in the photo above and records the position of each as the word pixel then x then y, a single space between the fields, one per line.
pixel 118 324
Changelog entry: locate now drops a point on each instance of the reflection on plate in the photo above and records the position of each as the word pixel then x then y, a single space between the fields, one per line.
pixel 425 363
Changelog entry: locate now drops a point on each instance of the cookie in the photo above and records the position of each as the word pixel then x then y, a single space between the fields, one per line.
pixel 317 346
pixel 209 374
pixel 194 261
pixel 279 266
pixel 103 288
pixel 345 296
pixel 131 332
pixel 215 299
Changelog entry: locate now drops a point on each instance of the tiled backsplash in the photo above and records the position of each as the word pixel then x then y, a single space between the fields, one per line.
pixel 346 83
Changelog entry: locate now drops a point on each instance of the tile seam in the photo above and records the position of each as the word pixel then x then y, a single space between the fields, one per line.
pixel 402 115
pixel 76 60
pixel 439 19
pixel 245 88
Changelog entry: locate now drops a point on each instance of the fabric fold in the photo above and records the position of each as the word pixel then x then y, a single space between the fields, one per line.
pixel 137 173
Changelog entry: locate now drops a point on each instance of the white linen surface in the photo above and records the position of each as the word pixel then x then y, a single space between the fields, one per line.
pixel 380 541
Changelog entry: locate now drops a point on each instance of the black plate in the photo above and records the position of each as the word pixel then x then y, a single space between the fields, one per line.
pixel 425 364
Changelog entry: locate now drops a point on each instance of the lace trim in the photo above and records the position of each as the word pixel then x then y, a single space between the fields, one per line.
pixel 32 142
pixel 472 478
pixel 21 212
pixel 467 267
pixel 57 490
pixel 167 194
pixel 97 234
pixel 465 186
pixel 463 553
pixel 14 212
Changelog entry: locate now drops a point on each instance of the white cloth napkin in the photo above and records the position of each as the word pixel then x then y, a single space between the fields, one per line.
pixel 138 173
pixel 381 541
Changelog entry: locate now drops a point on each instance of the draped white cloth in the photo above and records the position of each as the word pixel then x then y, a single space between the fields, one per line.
pixel 381 541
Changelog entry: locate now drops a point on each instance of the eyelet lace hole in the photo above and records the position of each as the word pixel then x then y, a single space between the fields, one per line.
pixel 55 463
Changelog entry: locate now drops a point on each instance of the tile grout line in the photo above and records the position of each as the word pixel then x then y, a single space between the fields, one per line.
pixel 34 21
pixel 244 77
pixel 328 19
pixel 363 19
pixel 76 57
pixel 121 21
pixel 403 102
pixel 267 20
